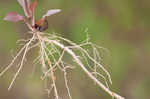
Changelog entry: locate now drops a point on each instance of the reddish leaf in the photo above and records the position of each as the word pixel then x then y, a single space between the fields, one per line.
pixel 25 7
pixel 33 5
pixel 13 17
pixel 51 12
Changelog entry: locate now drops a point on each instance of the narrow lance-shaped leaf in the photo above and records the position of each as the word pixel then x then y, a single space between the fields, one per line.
pixel 25 6
pixel 33 5
pixel 13 17
pixel 51 12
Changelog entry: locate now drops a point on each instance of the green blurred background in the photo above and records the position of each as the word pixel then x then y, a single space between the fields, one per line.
pixel 121 26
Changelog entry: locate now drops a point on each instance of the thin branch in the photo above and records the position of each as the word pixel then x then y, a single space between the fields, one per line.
pixel 91 58
pixel 14 59
pixel 21 65
pixel 84 69
pixel 52 72
pixel 65 74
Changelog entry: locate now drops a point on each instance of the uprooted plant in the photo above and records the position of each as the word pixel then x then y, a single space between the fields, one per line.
pixel 50 46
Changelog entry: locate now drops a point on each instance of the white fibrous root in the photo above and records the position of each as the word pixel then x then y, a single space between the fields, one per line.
pixel 51 57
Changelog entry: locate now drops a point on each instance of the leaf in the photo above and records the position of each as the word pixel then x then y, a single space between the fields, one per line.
pixel 25 5
pixel 51 12
pixel 33 5
pixel 13 17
